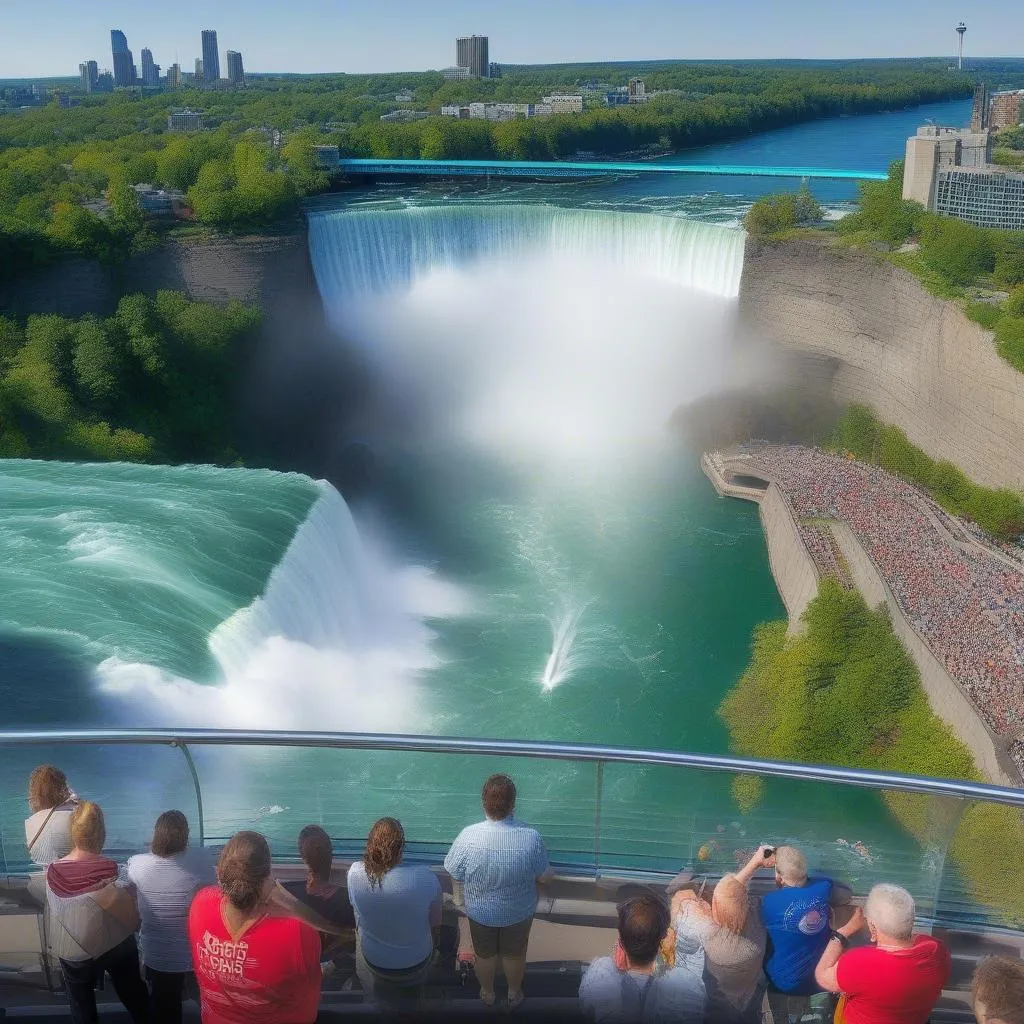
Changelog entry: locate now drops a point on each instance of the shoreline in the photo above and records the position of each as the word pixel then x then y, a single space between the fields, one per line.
pixel 796 572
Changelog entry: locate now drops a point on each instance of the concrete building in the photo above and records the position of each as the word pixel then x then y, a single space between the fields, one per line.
pixel 933 149
pixel 185 121
pixel 211 56
pixel 636 90
pixel 1005 110
pixel 199 72
pixel 472 52
pixel 456 74
pixel 89 73
pixel 561 104
pixel 174 76
pixel 105 82
pixel 980 108
pixel 150 71
pixel 236 71
pixel 158 202
pixel 404 116
pixel 124 64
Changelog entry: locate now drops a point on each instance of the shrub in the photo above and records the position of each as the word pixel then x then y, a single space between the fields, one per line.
pixel 959 251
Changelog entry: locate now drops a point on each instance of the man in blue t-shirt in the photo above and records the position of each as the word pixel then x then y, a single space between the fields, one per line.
pixel 797 919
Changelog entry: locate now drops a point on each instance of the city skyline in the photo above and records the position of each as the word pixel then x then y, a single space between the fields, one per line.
pixel 316 37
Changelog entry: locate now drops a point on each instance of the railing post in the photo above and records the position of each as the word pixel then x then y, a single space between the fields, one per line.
pixel 187 754
pixel 598 797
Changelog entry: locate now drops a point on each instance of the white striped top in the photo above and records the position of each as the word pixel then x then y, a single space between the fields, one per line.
pixel 498 863
pixel 54 840
pixel 165 887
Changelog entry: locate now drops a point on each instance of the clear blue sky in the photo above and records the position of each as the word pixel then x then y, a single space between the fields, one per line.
pixel 51 37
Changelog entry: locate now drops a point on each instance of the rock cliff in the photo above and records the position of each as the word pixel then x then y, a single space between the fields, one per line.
pixel 876 336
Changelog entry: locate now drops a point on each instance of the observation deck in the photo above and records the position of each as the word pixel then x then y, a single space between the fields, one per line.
pixel 554 170
pixel 606 838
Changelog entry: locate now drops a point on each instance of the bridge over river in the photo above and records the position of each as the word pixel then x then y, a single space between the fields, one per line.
pixel 569 169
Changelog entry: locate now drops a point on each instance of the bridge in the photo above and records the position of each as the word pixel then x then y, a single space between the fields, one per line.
pixel 571 169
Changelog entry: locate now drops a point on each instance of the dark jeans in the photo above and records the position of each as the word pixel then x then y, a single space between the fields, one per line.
pixel 167 990
pixel 122 964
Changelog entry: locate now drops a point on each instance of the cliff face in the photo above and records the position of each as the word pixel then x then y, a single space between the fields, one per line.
pixel 876 336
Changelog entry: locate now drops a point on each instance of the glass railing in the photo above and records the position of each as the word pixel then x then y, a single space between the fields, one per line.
pixel 603 811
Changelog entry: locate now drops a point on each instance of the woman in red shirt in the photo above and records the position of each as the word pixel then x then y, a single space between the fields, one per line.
pixel 896 980
pixel 254 965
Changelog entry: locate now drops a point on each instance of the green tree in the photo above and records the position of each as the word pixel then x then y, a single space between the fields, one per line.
pixel 96 363
pixel 959 251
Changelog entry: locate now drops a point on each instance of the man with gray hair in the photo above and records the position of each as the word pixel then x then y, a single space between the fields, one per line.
pixel 896 980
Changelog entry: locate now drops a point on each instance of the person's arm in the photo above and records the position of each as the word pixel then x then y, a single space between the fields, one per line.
pixel 543 871
pixel 762 858
pixel 826 974
pixel 436 904
pixel 284 904
pixel 455 861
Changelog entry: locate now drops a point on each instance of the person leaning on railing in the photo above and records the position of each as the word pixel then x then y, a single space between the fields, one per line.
pixel 997 992
pixel 48 829
pixel 166 879
pixel 896 980
pixel 255 962
pixel 725 939
pixel 398 917
pixel 94 918
pixel 635 990
pixel 499 862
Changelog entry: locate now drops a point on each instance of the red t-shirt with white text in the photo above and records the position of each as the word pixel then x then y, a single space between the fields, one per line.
pixel 893 986
pixel 270 976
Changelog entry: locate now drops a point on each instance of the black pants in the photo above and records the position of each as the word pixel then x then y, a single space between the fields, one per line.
pixel 122 964
pixel 167 990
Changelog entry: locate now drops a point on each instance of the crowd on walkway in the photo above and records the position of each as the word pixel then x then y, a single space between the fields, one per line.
pixel 966 604
pixel 172 918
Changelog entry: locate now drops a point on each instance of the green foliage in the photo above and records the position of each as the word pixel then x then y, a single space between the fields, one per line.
pixel 1010 340
pixel 999 512
pixel 959 251
pixel 782 212
pixel 1015 303
pixel 845 692
pixel 883 211
pixel 1009 269
pixel 151 382
pixel 988 314
pixel 747 792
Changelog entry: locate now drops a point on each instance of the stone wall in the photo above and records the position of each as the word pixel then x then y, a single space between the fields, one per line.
pixel 947 700
pixel 881 339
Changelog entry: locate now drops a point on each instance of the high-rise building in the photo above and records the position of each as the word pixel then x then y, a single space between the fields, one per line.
pixel 236 72
pixel 150 71
pixel 174 76
pixel 211 56
pixel 185 121
pixel 199 69
pixel 124 65
pixel 471 52
pixel 90 75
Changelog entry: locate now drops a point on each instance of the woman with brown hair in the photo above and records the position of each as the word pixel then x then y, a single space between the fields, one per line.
pixel 48 830
pixel 94 919
pixel 397 908
pixel 725 940
pixel 255 963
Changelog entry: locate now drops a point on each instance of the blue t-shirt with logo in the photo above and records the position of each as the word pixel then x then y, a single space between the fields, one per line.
pixel 797 920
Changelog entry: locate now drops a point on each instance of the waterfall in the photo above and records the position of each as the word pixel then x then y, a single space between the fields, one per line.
pixel 366 251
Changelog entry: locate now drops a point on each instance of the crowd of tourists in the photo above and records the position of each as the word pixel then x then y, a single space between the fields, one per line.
pixel 173 918
pixel 966 604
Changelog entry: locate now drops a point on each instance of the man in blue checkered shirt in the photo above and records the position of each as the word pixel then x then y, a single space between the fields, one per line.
pixel 499 862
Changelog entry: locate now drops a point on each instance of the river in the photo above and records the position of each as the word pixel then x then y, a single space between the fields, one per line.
pixel 539 556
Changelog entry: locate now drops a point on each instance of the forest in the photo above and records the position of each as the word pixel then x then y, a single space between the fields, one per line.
pixel 255 162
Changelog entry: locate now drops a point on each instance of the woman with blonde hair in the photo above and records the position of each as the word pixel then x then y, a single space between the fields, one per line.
pixel 94 919
pixel 397 908
pixel 255 962
pixel 725 940
pixel 48 829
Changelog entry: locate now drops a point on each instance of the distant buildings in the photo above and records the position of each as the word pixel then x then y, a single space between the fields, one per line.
pixel 636 90
pixel 150 71
pixel 200 74
pixel 185 120
pixel 471 52
pixel 456 74
pixel 1005 110
pixel 211 56
pixel 404 116
pixel 949 171
pixel 564 104
pixel 124 64
pixel 174 76
pixel 89 73
pixel 236 72
pixel 497 111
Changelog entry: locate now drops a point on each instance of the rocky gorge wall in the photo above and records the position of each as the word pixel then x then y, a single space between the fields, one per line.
pixel 870 333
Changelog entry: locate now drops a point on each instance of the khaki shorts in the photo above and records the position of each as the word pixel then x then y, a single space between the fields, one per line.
pixel 510 941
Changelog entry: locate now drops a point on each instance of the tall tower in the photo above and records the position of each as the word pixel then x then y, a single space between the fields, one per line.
pixel 150 71
pixel 472 52
pixel 90 74
pixel 124 65
pixel 211 56
pixel 236 71
pixel 960 30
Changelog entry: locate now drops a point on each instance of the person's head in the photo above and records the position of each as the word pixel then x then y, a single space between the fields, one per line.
pixel 170 834
pixel 729 905
pixel 316 852
pixel 790 867
pixel 643 923
pixel 889 911
pixel 498 797
pixel 243 870
pixel 47 787
pixel 998 991
pixel 88 830
pixel 384 847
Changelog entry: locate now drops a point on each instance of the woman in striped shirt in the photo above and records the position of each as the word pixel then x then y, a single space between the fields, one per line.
pixel 165 880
